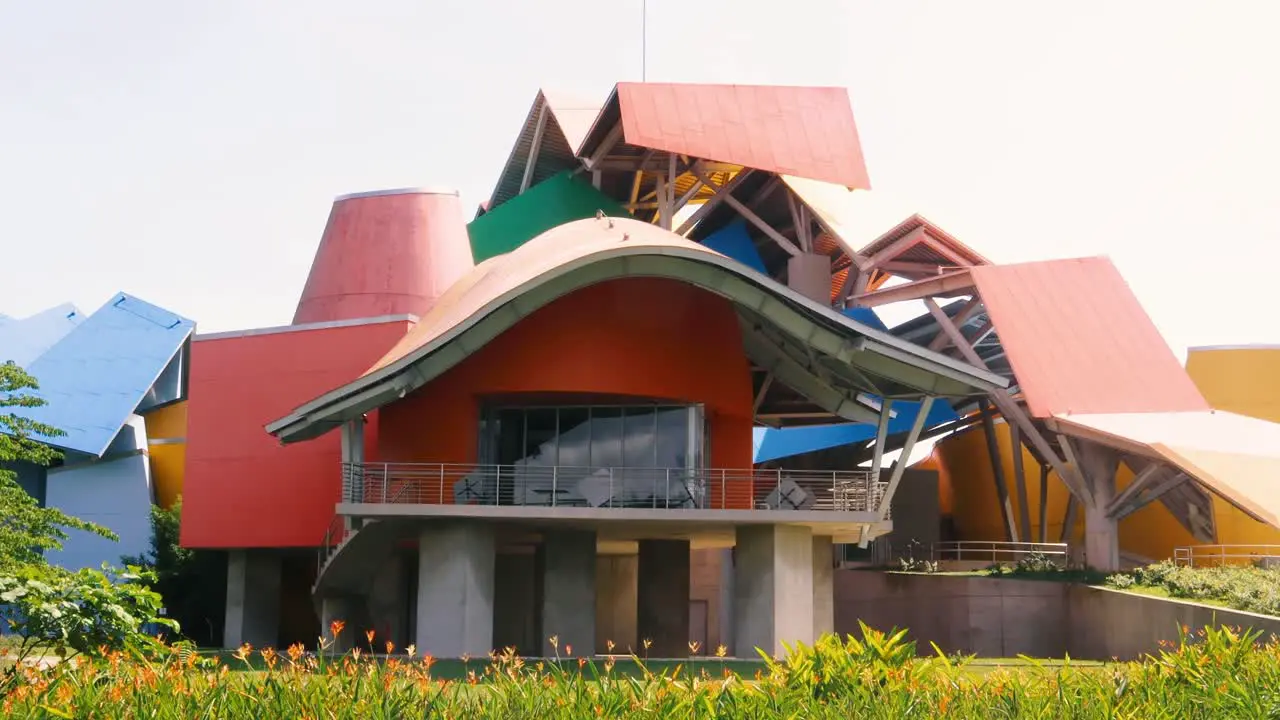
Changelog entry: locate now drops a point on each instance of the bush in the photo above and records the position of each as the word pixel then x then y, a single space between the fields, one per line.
pixel 1219 674
pixel 1248 588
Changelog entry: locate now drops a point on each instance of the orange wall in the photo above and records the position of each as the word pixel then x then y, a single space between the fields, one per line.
pixel 643 337
pixel 168 459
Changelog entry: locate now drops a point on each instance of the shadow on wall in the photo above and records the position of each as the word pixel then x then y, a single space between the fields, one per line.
pixel 992 617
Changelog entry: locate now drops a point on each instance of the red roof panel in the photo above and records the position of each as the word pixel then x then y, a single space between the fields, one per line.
pixel 242 488
pixel 803 131
pixel 1079 342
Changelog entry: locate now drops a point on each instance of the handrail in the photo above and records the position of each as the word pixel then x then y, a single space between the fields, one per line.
pixel 334 534
pixel 1220 555
pixel 610 487
pixel 994 551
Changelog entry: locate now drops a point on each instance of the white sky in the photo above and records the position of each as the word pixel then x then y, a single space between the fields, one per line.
pixel 188 152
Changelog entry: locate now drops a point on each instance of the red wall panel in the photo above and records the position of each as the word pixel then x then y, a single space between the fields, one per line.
pixel 643 337
pixel 243 489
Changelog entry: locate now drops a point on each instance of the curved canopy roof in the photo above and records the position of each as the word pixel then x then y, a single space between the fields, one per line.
pixel 820 353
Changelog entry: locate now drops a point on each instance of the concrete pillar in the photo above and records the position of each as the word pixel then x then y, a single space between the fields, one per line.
pixel 342 608
pixel 824 605
pixel 1101 537
pixel 515 603
pixel 253 599
pixel 662 600
pixel 810 275
pixel 389 604
pixel 726 599
pixel 616 597
pixel 773 588
pixel 569 592
pixel 455 589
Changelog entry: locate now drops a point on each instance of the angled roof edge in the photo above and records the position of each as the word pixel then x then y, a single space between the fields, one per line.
pixel 303 327
pixel 826 328
pixel 565 114
pixel 94 442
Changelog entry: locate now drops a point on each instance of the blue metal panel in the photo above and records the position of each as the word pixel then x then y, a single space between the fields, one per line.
pixel 97 375
pixel 866 316
pixel 24 340
pixel 112 493
pixel 733 241
pixel 774 444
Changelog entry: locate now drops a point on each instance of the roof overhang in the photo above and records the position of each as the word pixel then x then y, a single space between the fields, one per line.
pixel 811 347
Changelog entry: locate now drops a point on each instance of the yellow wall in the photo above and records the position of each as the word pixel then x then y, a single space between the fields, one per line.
pixel 1244 381
pixel 167 448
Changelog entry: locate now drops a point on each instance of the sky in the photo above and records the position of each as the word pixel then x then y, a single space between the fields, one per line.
pixel 188 153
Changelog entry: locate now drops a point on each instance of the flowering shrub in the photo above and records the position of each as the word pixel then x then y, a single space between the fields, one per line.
pixel 1248 588
pixel 1218 674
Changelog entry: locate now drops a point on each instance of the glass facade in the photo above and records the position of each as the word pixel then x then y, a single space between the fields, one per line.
pixel 595 456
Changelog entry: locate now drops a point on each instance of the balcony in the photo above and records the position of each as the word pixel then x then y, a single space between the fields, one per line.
pixel 566 490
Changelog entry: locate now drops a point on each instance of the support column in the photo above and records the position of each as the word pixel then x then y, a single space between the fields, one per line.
pixel 455 589
pixel 1101 532
pixel 569 592
pixel 726 599
pixel 662 598
pixel 616 603
pixel 342 608
pixel 810 275
pixel 253 599
pixel 824 601
pixel 774 588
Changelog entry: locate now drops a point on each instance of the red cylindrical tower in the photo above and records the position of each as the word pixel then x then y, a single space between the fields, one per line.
pixel 388 252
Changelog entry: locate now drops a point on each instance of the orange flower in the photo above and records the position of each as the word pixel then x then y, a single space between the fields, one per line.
pixel 568 649
pixel 368 634
pixel 335 627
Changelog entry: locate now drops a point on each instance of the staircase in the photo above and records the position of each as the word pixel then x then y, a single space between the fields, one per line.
pixel 348 568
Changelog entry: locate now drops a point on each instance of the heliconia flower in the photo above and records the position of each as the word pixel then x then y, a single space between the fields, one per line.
pixel 335 627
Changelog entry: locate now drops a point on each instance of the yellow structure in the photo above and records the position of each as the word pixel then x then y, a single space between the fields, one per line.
pixel 167 450
pixel 1243 380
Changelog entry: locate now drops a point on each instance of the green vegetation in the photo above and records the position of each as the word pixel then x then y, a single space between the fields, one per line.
pixel 46 609
pixel 1219 674
pixel 1248 588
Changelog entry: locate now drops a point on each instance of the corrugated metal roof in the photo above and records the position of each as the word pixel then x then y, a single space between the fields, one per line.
pixel 1233 456
pixel 96 376
pixel 23 340
pixel 804 131
pixel 1079 342
pixel 569 120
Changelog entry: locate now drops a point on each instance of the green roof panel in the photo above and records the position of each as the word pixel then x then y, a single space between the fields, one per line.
pixel 555 201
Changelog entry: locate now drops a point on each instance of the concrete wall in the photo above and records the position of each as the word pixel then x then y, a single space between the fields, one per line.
pixel 1004 618
pixel 616 588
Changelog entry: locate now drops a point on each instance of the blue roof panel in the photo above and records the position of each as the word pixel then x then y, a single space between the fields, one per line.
pixel 733 241
pixel 94 378
pixel 775 444
pixel 22 340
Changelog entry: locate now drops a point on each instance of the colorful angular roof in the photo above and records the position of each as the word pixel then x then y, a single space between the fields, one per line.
pixel 560 199
pixel 1079 342
pixel 804 131
pixel 22 340
pixel 96 376
pixel 778 443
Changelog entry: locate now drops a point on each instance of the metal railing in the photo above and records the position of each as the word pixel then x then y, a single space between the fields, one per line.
pixel 1219 555
pixel 610 487
pixel 333 537
pixel 995 552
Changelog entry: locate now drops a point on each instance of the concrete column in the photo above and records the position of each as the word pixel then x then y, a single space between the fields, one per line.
pixel 810 275
pixel 773 589
pixel 726 599
pixel 455 589
pixel 824 605
pixel 351 444
pixel 616 597
pixel 253 599
pixel 389 604
pixel 342 608
pixel 516 611
pixel 1101 538
pixel 662 600
pixel 569 591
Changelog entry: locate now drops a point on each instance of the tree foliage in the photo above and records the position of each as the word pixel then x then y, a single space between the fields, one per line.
pixel 26 529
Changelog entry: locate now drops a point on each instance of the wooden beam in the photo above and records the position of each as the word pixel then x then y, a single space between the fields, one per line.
pixel 900 466
pixel 751 217
pixel 720 192
pixel 1020 480
pixel 606 147
pixel 532 161
pixel 997 472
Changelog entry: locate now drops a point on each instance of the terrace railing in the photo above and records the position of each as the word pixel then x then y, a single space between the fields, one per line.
pixel 610 487
pixel 1220 555
pixel 996 552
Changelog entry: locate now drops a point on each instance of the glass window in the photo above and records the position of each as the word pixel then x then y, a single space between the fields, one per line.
pixel 606 437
